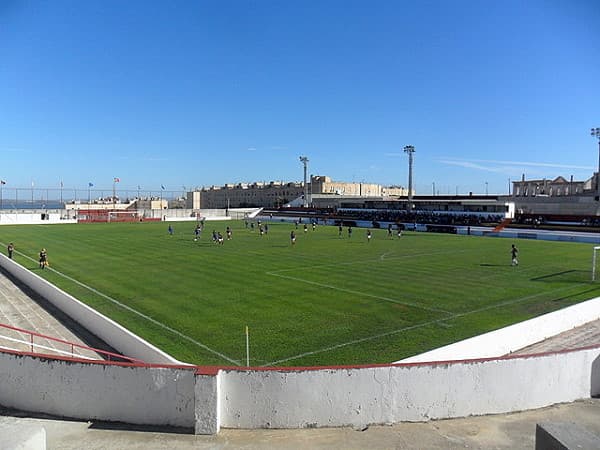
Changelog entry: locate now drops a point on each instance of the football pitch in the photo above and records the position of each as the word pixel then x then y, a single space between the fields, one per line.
pixel 327 300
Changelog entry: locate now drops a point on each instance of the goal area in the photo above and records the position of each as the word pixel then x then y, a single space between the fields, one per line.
pixel 99 215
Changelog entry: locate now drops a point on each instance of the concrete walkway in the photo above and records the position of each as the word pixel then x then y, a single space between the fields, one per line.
pixel 22 308
pixel 583 336
pixel 502 431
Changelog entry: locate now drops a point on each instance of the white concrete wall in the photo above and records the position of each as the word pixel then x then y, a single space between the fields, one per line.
pixel 514 337
pixel 294 398
pixel 389 394
pixel 34 218
pixel 138 395
pixel 108 330
pixel 208 404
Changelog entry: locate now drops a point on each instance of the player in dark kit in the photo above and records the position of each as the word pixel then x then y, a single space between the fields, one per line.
pixel 43 259
pixel 514 252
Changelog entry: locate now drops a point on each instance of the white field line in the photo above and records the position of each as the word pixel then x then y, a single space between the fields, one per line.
pixel 364 261
pixel 384 255
pixel 421 325
pixel 362 294
pixel 140 314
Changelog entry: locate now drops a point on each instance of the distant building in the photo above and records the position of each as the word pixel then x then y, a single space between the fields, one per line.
pixel 553 188
pixel 556 197
pixel 278 193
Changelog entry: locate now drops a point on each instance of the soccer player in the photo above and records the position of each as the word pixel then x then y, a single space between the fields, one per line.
pixel 170 229
pixel 293 237
pixel 349 232
pixel 514 252
pixel 228 231
pixel 10 249
pixel 340 228
pixel 219 238
pixel 305 228
pixel 399 231
pixel 369 235
pixel 43 259
pixel 390 230
pixel 197 231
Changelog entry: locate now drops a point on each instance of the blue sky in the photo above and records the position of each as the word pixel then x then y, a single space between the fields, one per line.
pixel 198 93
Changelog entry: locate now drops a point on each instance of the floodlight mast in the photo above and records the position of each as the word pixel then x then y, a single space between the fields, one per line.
pixel 595 132
pixel 410 150
pixel 304 160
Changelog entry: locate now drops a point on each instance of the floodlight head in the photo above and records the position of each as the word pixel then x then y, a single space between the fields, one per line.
pixel 409 149
pixel 595 132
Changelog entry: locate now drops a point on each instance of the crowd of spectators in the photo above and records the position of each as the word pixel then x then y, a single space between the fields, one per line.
pixel 425 217
pixel 537 221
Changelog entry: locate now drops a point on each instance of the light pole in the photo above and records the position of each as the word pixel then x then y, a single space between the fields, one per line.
pixel 410 150
pixel 486 188
pixel 433 187
pixel 304 160
pixel 596 133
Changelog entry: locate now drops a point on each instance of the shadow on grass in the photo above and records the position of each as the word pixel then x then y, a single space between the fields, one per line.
pixel 576 276
pixel 568 297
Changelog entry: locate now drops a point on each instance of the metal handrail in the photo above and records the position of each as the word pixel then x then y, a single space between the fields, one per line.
pixel 30 342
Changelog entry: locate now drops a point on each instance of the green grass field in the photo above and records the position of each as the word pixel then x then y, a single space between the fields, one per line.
pixel 328 300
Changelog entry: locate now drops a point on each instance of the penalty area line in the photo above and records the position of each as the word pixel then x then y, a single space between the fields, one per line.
pixel 140 314
pixel 416 326
pixel 364 294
